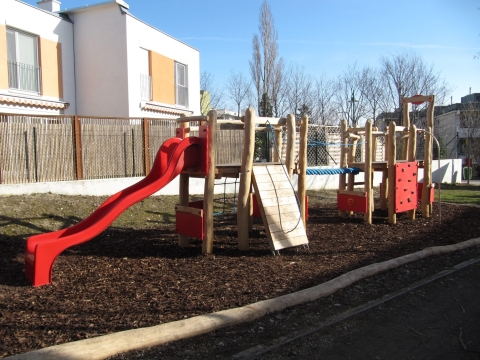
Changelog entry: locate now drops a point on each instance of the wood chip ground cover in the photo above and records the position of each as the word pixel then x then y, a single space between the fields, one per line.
pixel 135 275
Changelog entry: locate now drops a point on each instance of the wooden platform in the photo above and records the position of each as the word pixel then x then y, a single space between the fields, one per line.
pixel 278 207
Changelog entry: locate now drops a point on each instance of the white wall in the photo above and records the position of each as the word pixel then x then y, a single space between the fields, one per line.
pixel 48 26
pixel 142 35
pixel 450 172
pixel 101 60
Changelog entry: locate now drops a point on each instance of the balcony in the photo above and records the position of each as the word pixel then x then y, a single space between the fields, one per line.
pixel 23 77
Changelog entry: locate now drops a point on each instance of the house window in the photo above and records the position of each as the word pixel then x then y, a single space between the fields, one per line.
pixel 145 78
pixel 22 57
pixel 181 85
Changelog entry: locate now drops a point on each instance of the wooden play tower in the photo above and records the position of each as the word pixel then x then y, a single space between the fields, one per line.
pixel 400 190
pixel 273 197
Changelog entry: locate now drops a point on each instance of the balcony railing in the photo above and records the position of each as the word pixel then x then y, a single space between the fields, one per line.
pixel 23 77
pixel 145 87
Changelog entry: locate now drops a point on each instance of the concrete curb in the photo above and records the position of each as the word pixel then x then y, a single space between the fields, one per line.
pixel 108 345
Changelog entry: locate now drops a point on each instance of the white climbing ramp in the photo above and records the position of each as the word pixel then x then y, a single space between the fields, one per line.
pixel 278 207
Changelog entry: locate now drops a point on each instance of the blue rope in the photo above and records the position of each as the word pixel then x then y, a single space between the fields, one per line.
pixel 337 171
pixel 319 143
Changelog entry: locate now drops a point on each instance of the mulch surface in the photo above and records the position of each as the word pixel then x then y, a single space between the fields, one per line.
pixel 125 279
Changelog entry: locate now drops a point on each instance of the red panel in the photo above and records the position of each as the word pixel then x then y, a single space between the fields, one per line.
pixel 196 204
pixel 406 195
pixel 306 208
pixel 256 209
pixel 355 203
pixel 180 133
pixel 420 193
pixel 190 225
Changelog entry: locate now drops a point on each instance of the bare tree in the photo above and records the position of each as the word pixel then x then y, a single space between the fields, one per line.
pixel 372 89
pixel 211 95
pixel 323 107
pixel 298 91
pixel 406 74
pixel 265 67
pixel 350 100
pixel 238 89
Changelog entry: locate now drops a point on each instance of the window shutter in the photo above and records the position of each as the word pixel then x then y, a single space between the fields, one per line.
pixel 3 58
pixel 163 78
pixel 51 68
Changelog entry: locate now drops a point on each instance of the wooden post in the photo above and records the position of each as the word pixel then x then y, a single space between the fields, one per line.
pixel 184 191
pixel 384 189
pixel 406 124
pixel 146 146
pixel 392 160
pixel 343 161
pixel 412 151
pixel 208 197
pixel 368 171
pixel 243 203
pixel 291 137
pixel 427 174
pixel 77 137
pixel 302 168
pixel 351 159
pixel 278 140
pixel 430 122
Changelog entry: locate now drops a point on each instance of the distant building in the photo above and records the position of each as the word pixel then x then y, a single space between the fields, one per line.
pixel 95 60
pixel 456 122
pixel 227 114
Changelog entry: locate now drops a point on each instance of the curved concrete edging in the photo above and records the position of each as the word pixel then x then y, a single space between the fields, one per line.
pixel 104 346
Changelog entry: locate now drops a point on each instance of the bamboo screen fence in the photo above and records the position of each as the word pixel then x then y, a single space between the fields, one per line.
pixel 62 148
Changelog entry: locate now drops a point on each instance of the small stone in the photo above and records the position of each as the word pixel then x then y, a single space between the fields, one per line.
pixel 221 343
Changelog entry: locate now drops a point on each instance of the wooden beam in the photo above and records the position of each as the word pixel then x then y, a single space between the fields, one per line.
pixel 412 150
pixel 343 160
pixel 191 118
pixel 208 197
pixel 406 124
pixel 184 191
pixel 368 187
pixel 291 138
pixel 146 145
pixel 392 160
pixel 77 140
pixel 302 172
pixel 418 98
pixel 243 203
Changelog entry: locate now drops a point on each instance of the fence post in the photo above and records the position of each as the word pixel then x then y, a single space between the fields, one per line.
pixel 77 140
pixel 146 145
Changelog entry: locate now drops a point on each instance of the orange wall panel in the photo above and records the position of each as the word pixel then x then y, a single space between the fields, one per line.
pixel 162 71
pixel 50 55
pixel 3 58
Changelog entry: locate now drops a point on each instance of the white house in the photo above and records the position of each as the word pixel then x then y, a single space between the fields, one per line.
pixel 96 60
pixel 36 61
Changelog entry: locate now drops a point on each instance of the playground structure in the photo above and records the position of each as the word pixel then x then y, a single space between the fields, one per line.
pixel 400 190
pixel 274 200
pixel 194 156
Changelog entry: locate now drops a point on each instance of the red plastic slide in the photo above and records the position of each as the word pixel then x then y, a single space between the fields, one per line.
pixel 174 155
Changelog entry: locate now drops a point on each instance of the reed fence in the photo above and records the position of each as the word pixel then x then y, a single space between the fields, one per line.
pixel 63 148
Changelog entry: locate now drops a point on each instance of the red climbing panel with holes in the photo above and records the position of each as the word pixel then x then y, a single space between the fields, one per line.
pixel 406 195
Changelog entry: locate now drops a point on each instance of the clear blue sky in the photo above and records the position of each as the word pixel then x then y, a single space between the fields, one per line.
pixel 324 36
